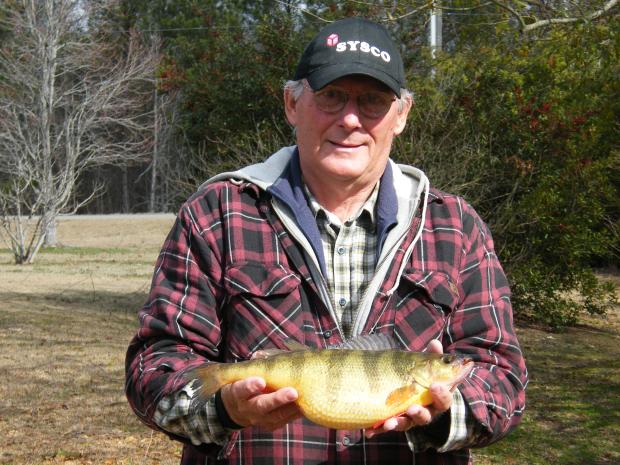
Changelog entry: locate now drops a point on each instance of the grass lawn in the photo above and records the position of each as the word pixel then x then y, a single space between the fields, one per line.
pixel 573 400
pixel 66 320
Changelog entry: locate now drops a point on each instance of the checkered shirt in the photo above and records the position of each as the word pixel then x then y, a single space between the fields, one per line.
pixel 231 279
pixel 350 255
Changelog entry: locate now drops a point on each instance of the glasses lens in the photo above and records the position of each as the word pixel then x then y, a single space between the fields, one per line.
pixel 331 100
pixel 371 104
pixel 374 104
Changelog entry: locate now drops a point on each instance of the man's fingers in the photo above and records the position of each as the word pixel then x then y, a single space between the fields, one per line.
pixel 400 423
pixel 419 415
pixel 281 416
pixel 435 347
pixel 442 401
pixel 247 404
pixel 259 354
pixel 442 397
pixel 247 388
pixel 269 402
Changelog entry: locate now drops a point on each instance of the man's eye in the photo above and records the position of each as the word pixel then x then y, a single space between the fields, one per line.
pixel 374 99
pixel 332 94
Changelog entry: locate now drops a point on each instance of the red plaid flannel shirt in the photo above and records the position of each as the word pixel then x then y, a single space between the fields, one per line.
pixel 231 280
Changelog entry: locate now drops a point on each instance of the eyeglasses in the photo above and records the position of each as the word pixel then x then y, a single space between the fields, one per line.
pixel 372 104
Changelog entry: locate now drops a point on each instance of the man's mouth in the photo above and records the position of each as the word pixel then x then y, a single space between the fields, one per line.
pixel 346 145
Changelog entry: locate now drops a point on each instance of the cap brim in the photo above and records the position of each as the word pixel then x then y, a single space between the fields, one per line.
pixel 326 74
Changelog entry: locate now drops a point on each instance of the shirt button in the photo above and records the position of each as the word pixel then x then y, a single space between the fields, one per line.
pixel 342 301
pixel 341 250
pixel 346 441
pixel 327 334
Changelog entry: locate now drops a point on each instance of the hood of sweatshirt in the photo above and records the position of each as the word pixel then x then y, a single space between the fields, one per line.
pixel 401 189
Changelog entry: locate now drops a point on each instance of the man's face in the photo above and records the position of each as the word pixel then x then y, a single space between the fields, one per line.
pixel 347 146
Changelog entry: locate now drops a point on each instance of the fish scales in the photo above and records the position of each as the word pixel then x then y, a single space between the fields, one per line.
pixel 346 389
pixel 359 383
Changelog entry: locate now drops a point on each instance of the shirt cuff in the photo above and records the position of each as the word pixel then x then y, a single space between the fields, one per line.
pixel 458 424
pixel 458 434
pixel 187 414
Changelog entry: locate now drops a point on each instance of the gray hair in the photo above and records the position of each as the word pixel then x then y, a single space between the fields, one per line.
pixel 296 88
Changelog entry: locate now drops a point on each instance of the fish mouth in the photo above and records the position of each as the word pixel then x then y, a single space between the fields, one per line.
pixel 468 365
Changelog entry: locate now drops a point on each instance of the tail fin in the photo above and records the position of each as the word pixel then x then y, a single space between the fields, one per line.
pixel 209 376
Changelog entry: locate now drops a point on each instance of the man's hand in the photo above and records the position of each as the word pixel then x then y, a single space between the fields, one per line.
pixel 417 415
pixel 248 405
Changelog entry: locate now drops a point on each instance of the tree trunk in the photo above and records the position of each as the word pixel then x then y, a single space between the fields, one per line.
pixel 125 190
pixel 50 234
pixel 154 163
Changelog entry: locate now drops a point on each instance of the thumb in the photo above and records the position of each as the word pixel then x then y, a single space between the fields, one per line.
pixel 435 347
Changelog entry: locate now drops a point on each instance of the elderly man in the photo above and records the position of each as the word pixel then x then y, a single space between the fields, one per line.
pixel 323 242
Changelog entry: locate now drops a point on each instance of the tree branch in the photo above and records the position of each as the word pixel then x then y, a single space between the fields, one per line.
pixel 525 27
pixel 303 10
pixel 591 17
pixel 512 11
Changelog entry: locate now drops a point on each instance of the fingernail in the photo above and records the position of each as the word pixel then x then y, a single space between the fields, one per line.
pixel 291 395
pixel 258 385
pixel 390 424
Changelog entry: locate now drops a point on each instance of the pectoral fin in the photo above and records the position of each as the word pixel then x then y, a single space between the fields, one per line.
pixel 402 395
pixel 405 396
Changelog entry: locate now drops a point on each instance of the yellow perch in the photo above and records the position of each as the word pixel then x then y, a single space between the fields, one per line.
pixel 346 388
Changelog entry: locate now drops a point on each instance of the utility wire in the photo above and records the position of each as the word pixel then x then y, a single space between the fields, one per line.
pixel 229 28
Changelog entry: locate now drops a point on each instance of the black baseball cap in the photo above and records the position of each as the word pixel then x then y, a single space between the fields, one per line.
pixel 352 46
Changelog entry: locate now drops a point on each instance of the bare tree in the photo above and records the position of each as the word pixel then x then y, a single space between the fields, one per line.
pixel 166 111
pixel 68 101
pixel 535 14
pixel 529 14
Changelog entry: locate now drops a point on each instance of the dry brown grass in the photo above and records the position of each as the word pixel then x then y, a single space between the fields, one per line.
pixel 65 322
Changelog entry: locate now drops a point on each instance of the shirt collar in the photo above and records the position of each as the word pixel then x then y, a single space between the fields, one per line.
pixel 367 208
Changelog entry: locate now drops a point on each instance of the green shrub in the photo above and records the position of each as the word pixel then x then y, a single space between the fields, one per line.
pixel 529 137
pixel 525 129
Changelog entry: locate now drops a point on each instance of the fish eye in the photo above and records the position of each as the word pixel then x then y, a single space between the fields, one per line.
pixel 448 359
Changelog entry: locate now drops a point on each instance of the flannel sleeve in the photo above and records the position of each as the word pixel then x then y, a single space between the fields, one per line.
pixel 185 413
pixel 482 327
pixel 179 329
pixel 456 425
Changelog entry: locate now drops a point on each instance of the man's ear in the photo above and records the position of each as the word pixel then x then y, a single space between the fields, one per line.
pixel 290 107
pixel 401 120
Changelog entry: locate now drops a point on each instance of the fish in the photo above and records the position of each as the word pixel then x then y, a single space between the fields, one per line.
pixel 355 386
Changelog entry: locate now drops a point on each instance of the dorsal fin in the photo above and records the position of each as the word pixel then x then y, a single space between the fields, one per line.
pixel 377 341
pixel 266 353
pixel 290 346
pixel 294 346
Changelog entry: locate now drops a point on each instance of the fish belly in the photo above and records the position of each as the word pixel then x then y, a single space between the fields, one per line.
pixel 345 415
pixel 348 395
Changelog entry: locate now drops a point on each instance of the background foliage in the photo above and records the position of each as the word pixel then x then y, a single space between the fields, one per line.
pixel 524 125
pixel 532 127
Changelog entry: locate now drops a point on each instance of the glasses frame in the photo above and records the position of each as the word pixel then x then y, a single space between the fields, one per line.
pixel 344 103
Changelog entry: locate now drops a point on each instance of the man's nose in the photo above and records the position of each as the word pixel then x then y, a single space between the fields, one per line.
pixel 350 114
